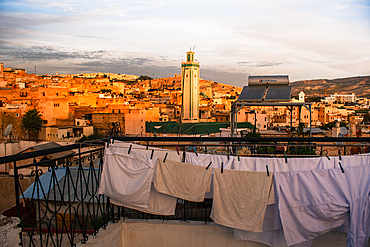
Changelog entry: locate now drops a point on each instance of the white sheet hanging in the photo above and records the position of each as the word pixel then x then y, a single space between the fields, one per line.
pixel 127 180
pixel 159 204
pixel 312 203
pixel 127 176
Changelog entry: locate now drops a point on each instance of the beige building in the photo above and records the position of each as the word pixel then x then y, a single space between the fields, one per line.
pixel 131 122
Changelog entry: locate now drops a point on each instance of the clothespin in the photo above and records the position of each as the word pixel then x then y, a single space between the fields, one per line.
pixel 237 152
pixel 228 157
pixel 267 169
pixel 222 167
pixel 210 163
pixel 165 157
pixel 151 156
pixel 129 149
pixel 184 156
pixel 177 149
pixel 341 168
pixel 286 158
pixel 112 140
pixel 326 154
pixel 108 142
pixel 340 158
pixel 195 150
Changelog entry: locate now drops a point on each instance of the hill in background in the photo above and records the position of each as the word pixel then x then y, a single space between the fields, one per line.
pixel 357 85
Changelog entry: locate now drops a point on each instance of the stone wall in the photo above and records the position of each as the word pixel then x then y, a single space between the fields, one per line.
pixel 9 231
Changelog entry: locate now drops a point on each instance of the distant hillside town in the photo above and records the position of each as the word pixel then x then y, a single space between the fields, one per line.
pixel 74 106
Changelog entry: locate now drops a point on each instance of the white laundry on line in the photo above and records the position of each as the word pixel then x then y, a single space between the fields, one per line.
pixel 272 234
pixel 240 198
pixel 312 203
pixel 159 204
pixel 182 180
pixel 205 159
pixel 127 180
pixel 160 153
pixel 127 176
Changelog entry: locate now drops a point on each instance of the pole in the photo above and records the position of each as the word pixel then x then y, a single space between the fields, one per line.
pixel 255 123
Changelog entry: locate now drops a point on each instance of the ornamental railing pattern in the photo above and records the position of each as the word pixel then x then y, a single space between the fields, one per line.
pixel 63 207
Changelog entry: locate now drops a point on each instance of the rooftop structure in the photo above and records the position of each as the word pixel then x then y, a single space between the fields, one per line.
pixel 190 89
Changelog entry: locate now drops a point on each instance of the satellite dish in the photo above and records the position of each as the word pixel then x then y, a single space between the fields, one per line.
pixel 8 129
pixel 343 131
pixel 259 126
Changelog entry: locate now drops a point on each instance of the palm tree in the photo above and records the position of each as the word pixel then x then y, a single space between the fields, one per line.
pixel 32 122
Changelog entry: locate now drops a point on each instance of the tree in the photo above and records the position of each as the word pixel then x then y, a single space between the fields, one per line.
pixel 32 122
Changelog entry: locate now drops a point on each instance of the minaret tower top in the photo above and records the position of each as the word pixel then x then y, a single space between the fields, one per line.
pixel 190 56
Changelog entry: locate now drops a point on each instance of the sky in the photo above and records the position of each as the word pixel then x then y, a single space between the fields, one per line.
pixel 305 39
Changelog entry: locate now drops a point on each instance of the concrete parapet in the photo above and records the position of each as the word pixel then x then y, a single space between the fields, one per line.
pixel 9 231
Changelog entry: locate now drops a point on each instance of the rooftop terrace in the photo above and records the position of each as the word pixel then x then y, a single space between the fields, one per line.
pixel 63 207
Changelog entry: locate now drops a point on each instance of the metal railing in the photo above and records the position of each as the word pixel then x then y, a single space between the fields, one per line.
pixel 63 206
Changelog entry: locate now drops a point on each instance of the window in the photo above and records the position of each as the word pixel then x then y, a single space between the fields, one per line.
pixel 57 94
pixel 43 93
pixel 56 105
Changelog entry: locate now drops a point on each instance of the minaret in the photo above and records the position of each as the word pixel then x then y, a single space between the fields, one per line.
pixel 190 89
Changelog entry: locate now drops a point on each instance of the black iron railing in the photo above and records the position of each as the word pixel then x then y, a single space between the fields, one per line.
pixel 63 206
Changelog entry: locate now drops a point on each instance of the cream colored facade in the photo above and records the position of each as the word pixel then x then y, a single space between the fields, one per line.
pixel 190 89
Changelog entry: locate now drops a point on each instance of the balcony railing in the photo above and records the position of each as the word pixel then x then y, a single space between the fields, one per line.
pixel 63 207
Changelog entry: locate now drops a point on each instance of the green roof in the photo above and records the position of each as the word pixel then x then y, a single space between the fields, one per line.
pixel 361 111
pixel 173 127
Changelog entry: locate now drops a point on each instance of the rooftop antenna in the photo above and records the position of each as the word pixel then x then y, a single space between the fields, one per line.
pixel 342 131
pixel 194 48
pixel 7 131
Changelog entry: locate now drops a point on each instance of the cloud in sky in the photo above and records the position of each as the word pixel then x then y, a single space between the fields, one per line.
pixel 233 39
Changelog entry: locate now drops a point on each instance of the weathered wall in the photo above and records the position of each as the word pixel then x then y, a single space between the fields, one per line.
pixel 7 191
pixel 154 233
pixel 9 231
pixel 110 237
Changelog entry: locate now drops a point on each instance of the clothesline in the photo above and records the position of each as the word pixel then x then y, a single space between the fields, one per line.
pixel 241 183
pixel 285 155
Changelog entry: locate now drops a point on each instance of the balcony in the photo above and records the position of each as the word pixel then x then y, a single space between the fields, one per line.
pixel 63 207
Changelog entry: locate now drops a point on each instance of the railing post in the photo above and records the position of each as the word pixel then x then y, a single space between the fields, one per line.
pixel 16 184
pixel 17 202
